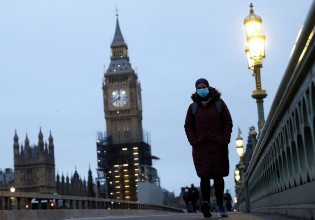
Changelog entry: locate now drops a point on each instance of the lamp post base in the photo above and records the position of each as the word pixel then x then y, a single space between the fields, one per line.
pixel 259 95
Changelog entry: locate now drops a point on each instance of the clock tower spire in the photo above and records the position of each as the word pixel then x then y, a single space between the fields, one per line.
pixel 118 46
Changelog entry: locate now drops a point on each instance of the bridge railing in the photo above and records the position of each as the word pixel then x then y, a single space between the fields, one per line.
pixel 281 174
pixel 23 201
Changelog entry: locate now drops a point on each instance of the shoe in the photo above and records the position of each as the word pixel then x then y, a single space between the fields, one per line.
pixel 222 212
pixel 205 209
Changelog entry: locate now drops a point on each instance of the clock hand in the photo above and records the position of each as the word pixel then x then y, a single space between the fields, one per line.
pixel 117 99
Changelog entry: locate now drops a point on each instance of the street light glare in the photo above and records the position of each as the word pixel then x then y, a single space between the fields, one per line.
pixel 252 26
pixel 239 142
pixel 250 61
pixel 240 151
pixel 256 45
pixel 237 178
pixel 237 172
pixel 252 22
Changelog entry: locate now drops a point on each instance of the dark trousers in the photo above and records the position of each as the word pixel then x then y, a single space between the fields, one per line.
pixel 218 187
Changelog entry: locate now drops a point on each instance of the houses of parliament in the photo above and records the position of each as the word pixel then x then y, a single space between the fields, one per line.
pixel 124 158
pixel 34 170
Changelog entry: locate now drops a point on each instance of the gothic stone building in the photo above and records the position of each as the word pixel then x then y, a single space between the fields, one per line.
pixel 75 186
pixel 35 171
pixel 34 166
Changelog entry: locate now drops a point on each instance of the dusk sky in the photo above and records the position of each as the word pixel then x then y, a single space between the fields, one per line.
pixel 52 58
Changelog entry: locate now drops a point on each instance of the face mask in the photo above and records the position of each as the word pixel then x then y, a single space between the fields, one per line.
pixel 203 92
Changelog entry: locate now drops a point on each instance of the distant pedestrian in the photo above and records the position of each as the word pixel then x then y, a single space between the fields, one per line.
pixel 208 127
pixel 228 200
pixel 187 200
pixel 194 193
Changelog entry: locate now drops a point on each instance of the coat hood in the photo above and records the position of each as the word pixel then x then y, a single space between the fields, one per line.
pixel 214 95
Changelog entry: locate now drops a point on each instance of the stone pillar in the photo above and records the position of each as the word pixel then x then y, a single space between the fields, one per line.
pixel 75 204
pixel 18 203
pixel 2 203
pixel 7 203
pixel 80 204
pixel 85 204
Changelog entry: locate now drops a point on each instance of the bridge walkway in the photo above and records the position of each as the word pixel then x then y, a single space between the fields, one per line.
pixel 194 216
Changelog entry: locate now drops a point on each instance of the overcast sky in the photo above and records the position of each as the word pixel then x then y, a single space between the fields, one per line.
pixel 52 57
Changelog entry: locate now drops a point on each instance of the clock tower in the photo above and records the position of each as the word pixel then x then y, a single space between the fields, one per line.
pixel 122 95
pixel 124 152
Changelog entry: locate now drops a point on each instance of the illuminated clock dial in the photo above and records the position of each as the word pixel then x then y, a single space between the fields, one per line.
pixel 119 98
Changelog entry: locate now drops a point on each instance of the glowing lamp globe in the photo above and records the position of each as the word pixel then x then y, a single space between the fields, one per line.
pixel 252 23
pixel 237 178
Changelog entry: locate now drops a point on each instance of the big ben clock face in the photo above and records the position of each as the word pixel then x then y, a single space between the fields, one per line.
pixel 119 98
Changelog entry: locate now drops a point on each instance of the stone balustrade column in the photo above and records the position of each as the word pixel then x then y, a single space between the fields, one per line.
pixel 85 204
pixel 80 204
pixel 2 203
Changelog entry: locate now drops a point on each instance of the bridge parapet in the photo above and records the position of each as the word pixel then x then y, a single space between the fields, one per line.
pixel 16 202
pixel 281 175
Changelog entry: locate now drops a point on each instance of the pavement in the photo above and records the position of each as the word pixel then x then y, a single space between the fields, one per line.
pixel 194 216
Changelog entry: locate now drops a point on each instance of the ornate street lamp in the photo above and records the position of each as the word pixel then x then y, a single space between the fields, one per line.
pixel 237 182
pixel 237 175
pixel 240 149
pixel 255 52
pixel 12 189
pixel 239 146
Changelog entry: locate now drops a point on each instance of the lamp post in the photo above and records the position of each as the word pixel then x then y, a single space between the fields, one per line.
pixel 240 150
pixel 237 184
pixel 239 173
pixel 12 190
pixel 255 52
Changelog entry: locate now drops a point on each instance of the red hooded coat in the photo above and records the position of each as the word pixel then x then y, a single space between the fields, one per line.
pixel 209 133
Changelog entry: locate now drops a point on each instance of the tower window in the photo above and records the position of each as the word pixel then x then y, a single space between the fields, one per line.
pixel 29 175
pixel 118 54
